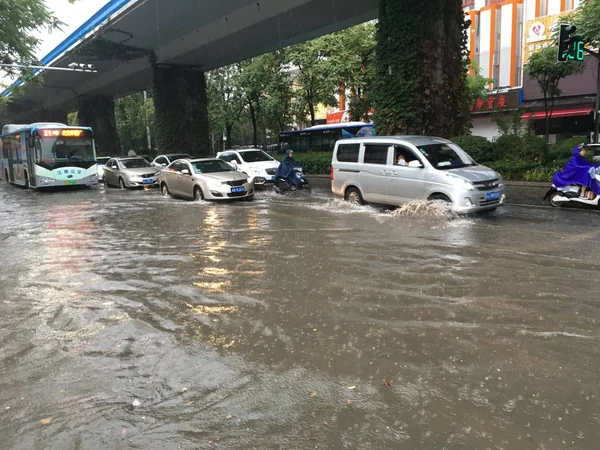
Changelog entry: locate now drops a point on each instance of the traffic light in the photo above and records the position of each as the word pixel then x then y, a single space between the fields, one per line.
pixel 570 47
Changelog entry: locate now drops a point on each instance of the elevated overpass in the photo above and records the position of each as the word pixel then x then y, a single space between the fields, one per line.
pixel 168 45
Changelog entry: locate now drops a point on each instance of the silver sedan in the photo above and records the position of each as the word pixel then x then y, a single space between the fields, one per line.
pixel 209 178
pixel 130 172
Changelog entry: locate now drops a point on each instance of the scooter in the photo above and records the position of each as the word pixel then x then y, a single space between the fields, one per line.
pixel 560 196
pixel 284 186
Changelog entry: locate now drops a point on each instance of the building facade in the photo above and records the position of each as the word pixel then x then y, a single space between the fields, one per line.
pixel 503 33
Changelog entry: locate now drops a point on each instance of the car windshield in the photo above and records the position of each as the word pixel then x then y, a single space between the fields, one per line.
pixel 445 156
pixel 178 156
pixel 211 166
pixel 255 156
pixel 134 163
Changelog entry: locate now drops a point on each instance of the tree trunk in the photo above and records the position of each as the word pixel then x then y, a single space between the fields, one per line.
pixel 311 110
pixel 547 116
pixel 228 133
pixel 253 119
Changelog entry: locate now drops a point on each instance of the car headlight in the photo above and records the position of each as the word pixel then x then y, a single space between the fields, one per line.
pixel 461 183
pixel 131 175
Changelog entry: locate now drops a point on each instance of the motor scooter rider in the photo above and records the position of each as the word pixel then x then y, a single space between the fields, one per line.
pixel 579 171
pixel 286 168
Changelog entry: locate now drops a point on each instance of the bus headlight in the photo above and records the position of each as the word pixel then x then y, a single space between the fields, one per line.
pixel 45 180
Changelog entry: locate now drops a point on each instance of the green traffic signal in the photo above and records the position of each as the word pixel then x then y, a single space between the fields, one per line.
pixel 570 48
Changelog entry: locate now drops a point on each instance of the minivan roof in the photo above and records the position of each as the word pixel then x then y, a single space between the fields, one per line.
pixel 411 139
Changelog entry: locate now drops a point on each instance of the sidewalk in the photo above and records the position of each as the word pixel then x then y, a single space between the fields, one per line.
pixel 520 192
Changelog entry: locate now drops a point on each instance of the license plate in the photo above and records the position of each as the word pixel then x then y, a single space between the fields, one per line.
pixel 147 180
pixel 69 183
pixel 492 195
pixel 238 189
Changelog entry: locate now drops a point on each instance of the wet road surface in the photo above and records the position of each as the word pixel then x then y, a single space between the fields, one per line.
pixel 131 320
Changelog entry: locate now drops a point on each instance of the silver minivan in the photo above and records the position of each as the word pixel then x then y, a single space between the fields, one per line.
pixel 398 169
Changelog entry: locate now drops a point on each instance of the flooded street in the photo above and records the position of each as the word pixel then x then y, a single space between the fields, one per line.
pixel 131 320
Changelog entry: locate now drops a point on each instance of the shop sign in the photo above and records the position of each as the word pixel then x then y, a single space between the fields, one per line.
pixel 497 101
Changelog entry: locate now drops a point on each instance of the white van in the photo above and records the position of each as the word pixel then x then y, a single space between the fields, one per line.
pixel 397 169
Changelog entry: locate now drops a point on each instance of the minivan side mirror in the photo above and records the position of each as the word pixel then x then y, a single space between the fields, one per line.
pixel 415 163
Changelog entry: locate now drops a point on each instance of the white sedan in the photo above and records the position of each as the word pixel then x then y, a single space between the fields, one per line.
pixel 258 165
pixel 204 179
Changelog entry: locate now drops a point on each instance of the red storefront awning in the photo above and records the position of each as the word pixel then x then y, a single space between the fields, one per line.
pixel 559 113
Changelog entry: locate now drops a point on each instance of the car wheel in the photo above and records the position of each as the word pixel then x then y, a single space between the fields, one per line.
pixel 440 198
pixel 121 183
pixel 164 189
pixel 105 183
pixel 354 196
pixel 249 198
pixel 198 195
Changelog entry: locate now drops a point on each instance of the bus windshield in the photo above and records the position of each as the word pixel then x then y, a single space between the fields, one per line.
pixel 58 149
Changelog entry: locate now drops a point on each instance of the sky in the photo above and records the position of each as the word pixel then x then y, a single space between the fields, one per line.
pixel 72 15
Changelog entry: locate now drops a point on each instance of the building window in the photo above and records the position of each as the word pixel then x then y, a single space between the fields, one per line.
pixel 543 8
pixel 568 5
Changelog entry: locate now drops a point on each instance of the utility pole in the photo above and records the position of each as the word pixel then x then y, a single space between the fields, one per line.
pixel 597 109
pixel 147 124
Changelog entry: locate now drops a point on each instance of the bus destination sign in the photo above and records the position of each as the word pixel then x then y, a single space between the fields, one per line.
pixel 62 133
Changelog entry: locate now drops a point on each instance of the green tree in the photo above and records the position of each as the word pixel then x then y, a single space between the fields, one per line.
pixel 315 80
pixel 19 22
pixel 587 20
pixel 252 83
pixel 279 95
pixel 547 71
pixel 134 116
pixel 225 100
pixel 351 57
pixel 477 84
pixel 421 64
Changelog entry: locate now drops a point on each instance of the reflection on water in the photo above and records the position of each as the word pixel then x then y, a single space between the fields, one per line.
pixel 293 324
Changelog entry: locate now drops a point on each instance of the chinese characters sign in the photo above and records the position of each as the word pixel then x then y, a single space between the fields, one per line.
pixel 538 34
pixel 61 133
pixel 506 101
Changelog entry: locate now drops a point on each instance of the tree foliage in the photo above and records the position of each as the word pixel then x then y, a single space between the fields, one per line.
pixel 547 71
pixel 134 116
pixel 587 20
pixel 225 101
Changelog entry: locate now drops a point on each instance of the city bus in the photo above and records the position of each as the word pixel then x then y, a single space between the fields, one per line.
pixel 48 155
pixel 323 137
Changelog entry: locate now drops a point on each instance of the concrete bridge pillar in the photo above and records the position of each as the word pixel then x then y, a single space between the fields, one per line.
pixel 98 112
pixel 181 112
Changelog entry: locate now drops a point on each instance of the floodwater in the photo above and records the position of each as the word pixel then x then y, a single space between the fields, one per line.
pixel 131 320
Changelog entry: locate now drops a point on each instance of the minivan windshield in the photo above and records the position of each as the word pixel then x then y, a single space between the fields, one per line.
pixel 255 156
pixel 444 156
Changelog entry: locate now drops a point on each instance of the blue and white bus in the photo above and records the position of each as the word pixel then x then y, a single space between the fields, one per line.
pixel 323 137
pixel 48 155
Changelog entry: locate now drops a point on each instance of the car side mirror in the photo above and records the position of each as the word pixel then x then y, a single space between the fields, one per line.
pixel 416 164
pixel 185 172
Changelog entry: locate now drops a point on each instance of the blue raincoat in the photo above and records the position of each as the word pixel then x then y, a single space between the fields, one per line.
pixel 286 167
pixel 577 171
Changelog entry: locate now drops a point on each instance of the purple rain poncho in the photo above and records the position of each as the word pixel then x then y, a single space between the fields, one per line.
pixel 577 171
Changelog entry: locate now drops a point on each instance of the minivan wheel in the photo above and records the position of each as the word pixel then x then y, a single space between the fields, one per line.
pixel 164 190
pixel 354 196
pixel 440 197
pixel 198 193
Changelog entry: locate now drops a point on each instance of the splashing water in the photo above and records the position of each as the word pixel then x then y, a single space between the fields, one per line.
pixel 426 208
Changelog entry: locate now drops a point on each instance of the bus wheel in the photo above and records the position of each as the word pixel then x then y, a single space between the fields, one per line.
pixel 6 176
pixel 26 180
pixel 121 183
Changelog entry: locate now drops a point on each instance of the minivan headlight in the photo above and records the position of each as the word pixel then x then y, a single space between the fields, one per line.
pixel 461 183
